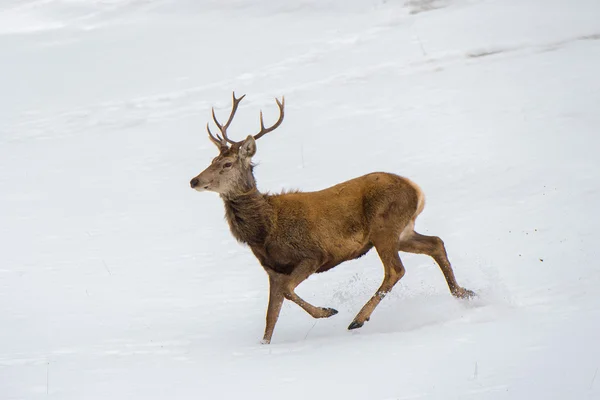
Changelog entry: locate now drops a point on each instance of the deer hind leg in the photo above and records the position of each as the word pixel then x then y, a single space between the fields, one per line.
pixel 433 246
pixel 394 271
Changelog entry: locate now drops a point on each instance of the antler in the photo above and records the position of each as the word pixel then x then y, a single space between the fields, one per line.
pixel 219 141
pixel 263 130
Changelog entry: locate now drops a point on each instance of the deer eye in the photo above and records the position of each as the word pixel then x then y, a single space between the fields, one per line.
pixel 227 165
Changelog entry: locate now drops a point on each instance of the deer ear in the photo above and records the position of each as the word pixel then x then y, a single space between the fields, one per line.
pixel 248 147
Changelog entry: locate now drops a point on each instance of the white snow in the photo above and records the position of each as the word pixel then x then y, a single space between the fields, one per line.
pixel 117 281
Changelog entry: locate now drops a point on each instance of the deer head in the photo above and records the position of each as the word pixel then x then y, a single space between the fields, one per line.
pixel 230 173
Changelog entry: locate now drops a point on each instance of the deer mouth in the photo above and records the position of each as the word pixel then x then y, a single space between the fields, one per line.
pixel 202 188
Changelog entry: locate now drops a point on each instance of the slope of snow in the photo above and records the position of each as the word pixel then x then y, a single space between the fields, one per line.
pixel 118 281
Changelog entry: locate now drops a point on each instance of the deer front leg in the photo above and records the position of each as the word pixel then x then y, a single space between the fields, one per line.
pixel 315 312
pixel 300 274
pixel 275 301
pixel 282 287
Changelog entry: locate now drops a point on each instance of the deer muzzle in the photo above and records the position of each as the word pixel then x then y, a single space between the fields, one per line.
pixel 199 185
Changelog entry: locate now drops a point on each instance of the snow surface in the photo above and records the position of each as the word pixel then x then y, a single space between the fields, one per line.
pixel 117 281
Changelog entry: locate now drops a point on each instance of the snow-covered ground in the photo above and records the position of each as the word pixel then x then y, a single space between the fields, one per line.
pixel 117 281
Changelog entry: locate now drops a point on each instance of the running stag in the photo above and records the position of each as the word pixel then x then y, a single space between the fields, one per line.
pixel 295 235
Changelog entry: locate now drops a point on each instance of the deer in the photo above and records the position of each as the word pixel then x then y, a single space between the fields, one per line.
pixel 297 234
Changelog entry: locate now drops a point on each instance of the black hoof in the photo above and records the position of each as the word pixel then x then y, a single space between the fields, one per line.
pixel 355 325
pixel 330 311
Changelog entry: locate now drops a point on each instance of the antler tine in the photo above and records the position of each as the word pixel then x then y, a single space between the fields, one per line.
pixel 218 141
pixel 236 102
pixel 263 130
pixel 223 128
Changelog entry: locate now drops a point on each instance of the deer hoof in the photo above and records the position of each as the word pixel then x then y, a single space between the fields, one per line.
pixel 329 312
pixel 463 293
pixel 355 325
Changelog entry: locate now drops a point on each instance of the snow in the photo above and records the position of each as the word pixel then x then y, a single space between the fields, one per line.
pixel 118 281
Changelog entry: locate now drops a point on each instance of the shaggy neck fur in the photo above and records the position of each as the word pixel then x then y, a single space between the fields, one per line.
pixel 248 212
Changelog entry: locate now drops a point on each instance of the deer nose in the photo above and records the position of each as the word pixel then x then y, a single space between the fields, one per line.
pixel 194 182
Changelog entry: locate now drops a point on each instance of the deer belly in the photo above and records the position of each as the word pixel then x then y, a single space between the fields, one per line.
pixel 336 259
